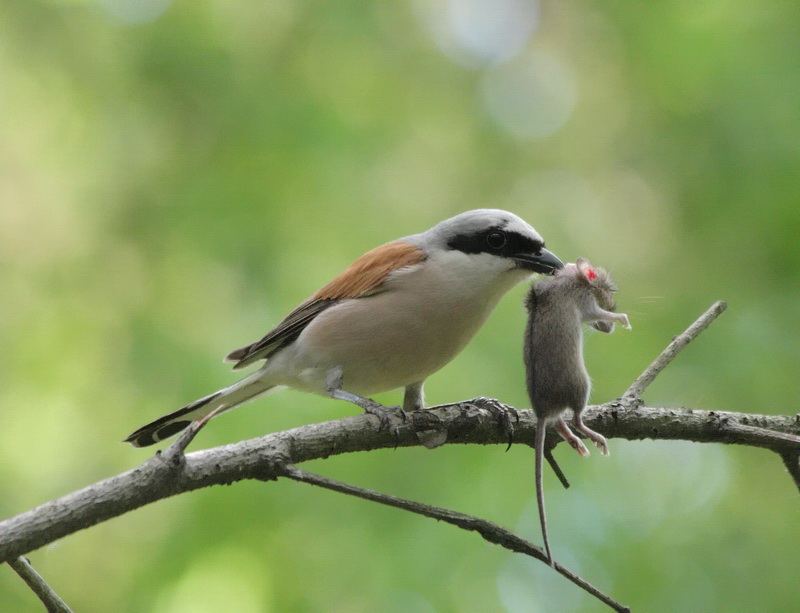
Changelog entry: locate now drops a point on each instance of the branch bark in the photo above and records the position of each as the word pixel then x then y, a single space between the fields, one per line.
pixel 262 458
pixel 479 421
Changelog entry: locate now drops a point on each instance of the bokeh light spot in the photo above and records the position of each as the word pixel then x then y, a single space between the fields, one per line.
pixel 531 97
pixel 135 11
pixel 477 33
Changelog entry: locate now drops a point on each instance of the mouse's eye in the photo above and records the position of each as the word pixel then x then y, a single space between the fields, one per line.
pixel 496 239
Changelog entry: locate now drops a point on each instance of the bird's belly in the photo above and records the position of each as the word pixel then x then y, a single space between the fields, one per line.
pixel 381 345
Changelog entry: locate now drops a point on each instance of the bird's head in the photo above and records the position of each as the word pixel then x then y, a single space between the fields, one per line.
pixel 493 239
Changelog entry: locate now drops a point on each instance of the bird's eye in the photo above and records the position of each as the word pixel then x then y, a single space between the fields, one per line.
pixel 496 240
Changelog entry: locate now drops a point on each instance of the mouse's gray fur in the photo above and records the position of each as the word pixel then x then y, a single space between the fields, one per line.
pixel 556 375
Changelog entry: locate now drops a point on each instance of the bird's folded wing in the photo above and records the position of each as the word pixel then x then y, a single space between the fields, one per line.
pixel 364 277
pixel 284 333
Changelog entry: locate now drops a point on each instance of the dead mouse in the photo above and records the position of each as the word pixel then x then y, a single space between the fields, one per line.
pixel 556 375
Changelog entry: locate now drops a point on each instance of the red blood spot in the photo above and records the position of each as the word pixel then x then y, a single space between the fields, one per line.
pixel 591 273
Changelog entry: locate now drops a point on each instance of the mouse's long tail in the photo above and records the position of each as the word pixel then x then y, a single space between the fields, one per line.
pixel 541 427
pixel 239 393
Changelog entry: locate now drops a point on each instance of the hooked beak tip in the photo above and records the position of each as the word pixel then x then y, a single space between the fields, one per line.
pixel 544 262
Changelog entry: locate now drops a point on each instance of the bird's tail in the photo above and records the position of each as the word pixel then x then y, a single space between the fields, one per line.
pixel 243 391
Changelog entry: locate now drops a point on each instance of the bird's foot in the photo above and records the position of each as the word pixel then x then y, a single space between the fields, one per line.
pixel 383 413
pixel 506 416
pixel 390 417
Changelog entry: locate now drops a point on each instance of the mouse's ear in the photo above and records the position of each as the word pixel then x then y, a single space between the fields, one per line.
pixel 586 269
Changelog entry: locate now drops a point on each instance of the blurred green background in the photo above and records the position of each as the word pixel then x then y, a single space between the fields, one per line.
pixel 175 177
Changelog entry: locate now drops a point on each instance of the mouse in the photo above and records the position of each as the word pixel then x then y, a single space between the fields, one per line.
pixel 556 375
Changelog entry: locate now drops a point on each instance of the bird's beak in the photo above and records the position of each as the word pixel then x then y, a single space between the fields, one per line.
pixel 544 261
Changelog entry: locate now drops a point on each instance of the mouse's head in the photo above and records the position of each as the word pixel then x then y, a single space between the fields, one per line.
pixel 598 283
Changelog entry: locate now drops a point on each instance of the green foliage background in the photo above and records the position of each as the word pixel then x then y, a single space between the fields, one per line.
pixel 173 181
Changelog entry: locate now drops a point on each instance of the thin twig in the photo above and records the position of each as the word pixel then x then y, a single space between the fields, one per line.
pixel 488 530
pixel 44 592
pixel 678 343
pixel 551 460
pixel 791 459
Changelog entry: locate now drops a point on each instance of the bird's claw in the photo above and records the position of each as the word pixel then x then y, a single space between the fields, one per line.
pixel 506 416
pixel 388 417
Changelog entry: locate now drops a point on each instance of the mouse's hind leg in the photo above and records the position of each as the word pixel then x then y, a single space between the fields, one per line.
pixel 569 436
pixel 597 438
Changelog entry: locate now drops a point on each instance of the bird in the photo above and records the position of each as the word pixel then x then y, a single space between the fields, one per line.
pixel 395 316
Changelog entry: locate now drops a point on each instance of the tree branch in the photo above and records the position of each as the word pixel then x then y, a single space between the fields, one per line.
pixel 469 422
pixel 45 593
pixel 261 458
pixel 488 530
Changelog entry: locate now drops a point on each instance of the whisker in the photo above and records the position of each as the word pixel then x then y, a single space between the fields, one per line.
pixel 646 298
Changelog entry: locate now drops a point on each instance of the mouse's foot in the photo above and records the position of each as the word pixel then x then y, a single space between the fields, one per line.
pixel 597 438
pixel 569 436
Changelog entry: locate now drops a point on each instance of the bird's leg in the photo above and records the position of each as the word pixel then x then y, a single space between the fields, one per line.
pixel 567 435
pixel 597 438
pixel 334 389
pixel 414 398
pixel 369 405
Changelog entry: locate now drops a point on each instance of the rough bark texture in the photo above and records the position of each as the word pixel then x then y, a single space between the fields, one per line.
pixel 479 421
pixel 264 458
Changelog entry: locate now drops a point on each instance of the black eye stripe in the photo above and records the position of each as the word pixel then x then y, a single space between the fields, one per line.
pixel 515 243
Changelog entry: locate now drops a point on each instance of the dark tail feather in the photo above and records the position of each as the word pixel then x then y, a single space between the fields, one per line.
pixel 226 399
pixel 170 424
